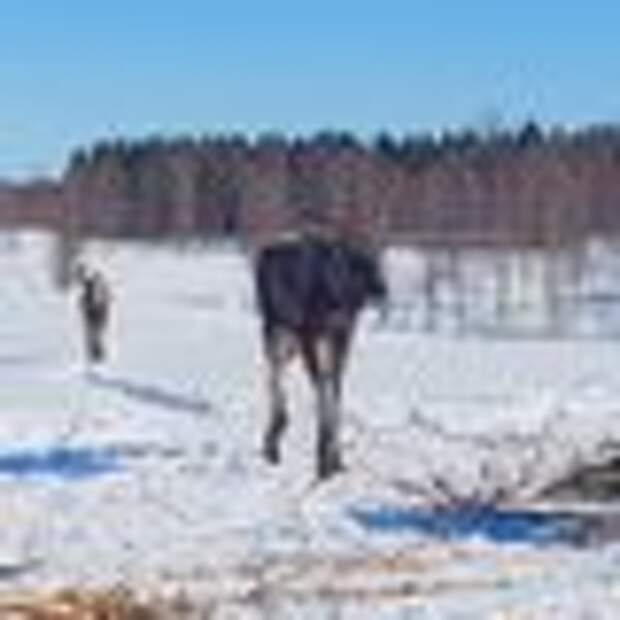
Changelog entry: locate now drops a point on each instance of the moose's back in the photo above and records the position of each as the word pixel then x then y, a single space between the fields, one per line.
pixel 303 281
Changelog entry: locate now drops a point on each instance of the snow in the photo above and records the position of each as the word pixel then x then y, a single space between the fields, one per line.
pixel 184 500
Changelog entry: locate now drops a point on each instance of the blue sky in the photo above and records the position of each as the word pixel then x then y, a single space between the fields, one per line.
pixel 76 71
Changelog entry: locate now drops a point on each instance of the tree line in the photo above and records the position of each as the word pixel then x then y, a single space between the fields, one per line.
pixel 524 185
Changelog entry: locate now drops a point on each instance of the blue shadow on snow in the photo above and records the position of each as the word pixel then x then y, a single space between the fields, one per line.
pixel 495 524
pixel 61 462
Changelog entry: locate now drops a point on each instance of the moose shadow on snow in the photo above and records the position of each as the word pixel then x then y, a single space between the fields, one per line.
pixel 151 394
pixel 15 359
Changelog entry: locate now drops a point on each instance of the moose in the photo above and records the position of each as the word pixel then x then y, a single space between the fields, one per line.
pixel 94 305
pixel 310 289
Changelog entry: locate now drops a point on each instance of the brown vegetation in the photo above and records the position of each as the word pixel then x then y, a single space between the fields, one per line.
pixel 77 605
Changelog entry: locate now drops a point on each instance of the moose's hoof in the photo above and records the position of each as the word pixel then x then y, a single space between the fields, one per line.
pixel 271 453
pixel 329 467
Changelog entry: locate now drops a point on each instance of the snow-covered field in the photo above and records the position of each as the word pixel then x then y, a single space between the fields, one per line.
pixel 146 471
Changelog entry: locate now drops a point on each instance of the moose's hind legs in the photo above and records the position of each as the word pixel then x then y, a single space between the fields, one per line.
pixel 325 360
pixel 280 349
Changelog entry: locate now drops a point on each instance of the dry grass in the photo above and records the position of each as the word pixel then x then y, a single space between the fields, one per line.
pixel 115 604
pixel 401 577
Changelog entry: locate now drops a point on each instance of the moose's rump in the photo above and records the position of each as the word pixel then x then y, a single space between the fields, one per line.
pixel 308 284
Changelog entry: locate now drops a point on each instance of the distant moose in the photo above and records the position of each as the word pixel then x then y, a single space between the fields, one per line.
pixel 94 305
pixel 310 290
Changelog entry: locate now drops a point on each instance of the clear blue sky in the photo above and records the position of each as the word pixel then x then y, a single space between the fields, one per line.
pixel 73 71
